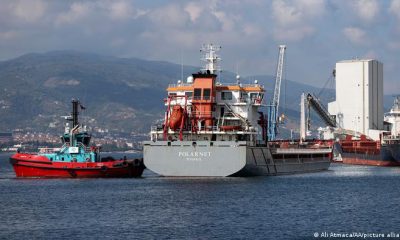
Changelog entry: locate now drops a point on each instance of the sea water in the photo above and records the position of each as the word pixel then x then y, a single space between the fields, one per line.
pixel 344 200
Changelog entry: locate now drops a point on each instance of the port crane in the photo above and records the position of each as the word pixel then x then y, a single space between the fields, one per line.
pixel 273 108
pixel 319 108
pixel 315 104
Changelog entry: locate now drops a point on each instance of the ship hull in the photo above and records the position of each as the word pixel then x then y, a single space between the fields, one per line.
pixel 226 158
pixel 35 166
pixel 386 156
pixel 394 151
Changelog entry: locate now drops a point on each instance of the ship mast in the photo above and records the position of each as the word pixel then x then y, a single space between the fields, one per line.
pixel 211 58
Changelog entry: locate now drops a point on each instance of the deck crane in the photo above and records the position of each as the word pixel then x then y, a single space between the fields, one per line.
pixel 273 108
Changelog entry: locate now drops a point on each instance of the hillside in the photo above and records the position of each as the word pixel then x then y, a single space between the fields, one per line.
pixel 120 94
pixel 123 95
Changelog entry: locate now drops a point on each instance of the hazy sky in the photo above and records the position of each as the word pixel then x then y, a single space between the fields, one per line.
pixel 317 33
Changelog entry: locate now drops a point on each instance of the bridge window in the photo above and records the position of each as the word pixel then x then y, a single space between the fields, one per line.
pixel 243 97
pixel 197 93
pixel 226 95
pixel 206 94
pixel 253 96
pixel 189 95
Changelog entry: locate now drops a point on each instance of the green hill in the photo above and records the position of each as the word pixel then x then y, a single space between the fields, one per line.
pixel 123 95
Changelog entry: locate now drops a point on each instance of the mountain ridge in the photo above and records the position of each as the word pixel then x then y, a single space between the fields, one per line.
pixel 121 94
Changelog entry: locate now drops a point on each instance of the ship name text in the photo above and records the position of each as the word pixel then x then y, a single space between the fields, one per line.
pixel 194 156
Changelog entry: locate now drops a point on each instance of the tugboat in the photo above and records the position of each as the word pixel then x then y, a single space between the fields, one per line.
pixel 212 129
pixel 75 159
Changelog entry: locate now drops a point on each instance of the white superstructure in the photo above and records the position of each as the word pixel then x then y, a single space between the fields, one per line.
pixel 359 96
pixel 393 117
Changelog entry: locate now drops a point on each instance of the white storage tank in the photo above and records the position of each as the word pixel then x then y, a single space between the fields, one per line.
pixel 359 95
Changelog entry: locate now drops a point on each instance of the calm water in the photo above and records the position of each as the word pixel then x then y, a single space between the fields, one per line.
pixel 344 199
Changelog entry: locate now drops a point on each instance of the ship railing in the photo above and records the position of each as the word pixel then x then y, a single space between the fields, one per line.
pixel 172 85
pixel 204 98
pixel 229 115
pixel 82 146
pixel 180 85
pixel 155 128
pixel 241 85
pixel 202 113
pixel 391 137
pixel 64 147
pixel 48 150
pixel 209 128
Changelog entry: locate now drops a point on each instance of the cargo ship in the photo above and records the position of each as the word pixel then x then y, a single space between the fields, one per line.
pixel 214 129
pixel 75 159
pixel 365 151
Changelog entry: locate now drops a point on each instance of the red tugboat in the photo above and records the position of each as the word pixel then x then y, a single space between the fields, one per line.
pixel 75 159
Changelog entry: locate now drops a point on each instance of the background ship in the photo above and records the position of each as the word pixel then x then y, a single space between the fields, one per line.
pixel 75 159
pixel 365 151
pixel 215 129
pixel 363 134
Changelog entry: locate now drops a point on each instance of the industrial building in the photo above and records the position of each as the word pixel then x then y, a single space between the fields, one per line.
pixel 359 96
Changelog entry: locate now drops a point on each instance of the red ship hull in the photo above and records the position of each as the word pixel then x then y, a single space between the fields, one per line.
pixel 365 152
pixel 36 166
pixel 360 161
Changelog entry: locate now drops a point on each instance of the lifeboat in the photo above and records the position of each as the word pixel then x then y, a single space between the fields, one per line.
pixel 176 117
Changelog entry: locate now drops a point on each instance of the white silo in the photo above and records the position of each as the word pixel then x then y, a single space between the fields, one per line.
pixel 359 96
